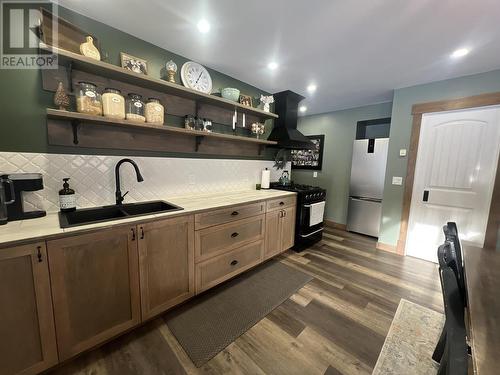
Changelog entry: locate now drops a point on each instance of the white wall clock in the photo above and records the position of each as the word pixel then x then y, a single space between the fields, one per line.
pixel 196 77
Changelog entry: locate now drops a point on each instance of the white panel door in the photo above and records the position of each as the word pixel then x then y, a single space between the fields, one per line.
pixel 454 177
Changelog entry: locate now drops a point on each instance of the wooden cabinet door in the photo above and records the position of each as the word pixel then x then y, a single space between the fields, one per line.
pixel 95 287
pixel 273 234
pixel 166 258
pixel 287 228
pixel 27 334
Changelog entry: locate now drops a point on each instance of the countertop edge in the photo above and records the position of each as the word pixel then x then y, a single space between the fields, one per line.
pixel 57 232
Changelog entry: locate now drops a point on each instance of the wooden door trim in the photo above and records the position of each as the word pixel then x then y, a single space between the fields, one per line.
pixel 418 110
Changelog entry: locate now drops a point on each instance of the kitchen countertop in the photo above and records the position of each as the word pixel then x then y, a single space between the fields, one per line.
pixel 24 231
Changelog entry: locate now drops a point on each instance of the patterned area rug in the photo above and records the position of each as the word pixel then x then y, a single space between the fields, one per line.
pixel 410 342
pixel 208 323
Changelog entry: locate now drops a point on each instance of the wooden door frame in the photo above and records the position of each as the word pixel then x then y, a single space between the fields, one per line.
pixel 418 110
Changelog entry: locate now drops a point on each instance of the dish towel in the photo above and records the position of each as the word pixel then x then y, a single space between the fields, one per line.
pixel 317 212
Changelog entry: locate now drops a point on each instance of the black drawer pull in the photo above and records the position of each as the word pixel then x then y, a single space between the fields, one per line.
pixel 235 234
pixel 282 203
pixel 234 263
pixel 234 213
pixel 133 234
pixel 39 253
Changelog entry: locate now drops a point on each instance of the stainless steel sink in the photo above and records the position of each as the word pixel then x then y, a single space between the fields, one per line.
pixel 116 212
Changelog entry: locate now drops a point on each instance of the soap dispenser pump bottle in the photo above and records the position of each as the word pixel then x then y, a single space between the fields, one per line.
pixel 67 199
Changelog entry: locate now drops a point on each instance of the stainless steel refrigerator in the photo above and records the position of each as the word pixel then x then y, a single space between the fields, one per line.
pixel 369 159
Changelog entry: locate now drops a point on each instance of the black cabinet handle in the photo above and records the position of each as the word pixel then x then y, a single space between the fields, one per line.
pixel 282 203
pixel 234 213
pixel 235 234
pixel 426 195
pixel 142 233
pixel 133 234
pixel 39 253
pixel 234 263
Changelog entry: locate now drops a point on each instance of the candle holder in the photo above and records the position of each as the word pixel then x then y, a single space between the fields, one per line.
pixel 171 70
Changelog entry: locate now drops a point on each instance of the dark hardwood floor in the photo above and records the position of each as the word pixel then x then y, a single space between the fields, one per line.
pixel 335 324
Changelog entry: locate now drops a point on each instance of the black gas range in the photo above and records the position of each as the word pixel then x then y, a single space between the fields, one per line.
pixel 310 212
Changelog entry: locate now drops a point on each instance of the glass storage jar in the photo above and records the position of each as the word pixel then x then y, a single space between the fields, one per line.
pixel 154 111
pixel 88 100
pixel 113 104
pixel 135 108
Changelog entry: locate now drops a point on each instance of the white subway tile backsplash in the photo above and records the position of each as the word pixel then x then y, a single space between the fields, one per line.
pixel 93 177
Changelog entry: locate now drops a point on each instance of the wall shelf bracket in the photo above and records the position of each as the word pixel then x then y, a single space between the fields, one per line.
pixel 70 76
pixel 198 140
pixel 261 148
pixel 74 125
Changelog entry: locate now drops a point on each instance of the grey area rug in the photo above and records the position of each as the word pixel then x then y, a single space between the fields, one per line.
pixel 410 342
pixel 207 324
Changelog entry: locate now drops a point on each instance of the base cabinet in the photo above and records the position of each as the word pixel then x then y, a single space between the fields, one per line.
pixel 27 334
pixel 280 231
pixel 166 258
pixel 95 287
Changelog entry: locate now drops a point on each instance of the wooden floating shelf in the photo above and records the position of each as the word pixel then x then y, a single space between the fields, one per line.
pixel 78 118
pixel 75 61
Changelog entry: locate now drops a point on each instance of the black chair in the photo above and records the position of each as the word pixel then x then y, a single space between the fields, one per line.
pixel 455 354
pixel 455 256
pixel 443 251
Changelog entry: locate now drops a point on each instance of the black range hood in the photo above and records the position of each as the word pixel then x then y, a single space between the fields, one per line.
pixel 286 106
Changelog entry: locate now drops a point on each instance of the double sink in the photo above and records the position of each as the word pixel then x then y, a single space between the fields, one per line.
pixel 119 210
pixel 115 212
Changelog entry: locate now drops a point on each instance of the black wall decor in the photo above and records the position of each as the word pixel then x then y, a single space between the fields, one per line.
pixel 310 159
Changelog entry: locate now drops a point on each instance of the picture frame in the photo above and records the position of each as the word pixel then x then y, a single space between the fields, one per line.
pixel 134 64
pixel 246 100
pixel 310 159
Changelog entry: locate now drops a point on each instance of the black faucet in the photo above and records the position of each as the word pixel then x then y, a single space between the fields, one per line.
pixel 118 193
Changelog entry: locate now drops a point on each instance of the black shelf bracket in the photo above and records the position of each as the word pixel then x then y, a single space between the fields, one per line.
pixel 261 148
pixel 198 140
pixel 196 108
pixel 74 125
pixel 70 76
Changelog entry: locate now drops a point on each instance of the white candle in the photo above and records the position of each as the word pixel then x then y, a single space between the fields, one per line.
pixel 235 116
pixel 243 120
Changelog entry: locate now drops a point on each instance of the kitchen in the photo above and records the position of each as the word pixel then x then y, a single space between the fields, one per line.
pixel 147 195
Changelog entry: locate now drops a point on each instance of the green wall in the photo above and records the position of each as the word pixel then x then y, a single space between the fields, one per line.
pixel 400 136
pixel 339 128
pixel 23 125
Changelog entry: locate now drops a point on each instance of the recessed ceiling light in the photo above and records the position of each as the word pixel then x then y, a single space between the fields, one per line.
pixel 461 52
pixel 312 88
pixel 302 108
pixel 273 65
pixel 203 26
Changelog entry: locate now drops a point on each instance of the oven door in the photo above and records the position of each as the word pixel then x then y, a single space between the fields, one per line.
pixel 304 228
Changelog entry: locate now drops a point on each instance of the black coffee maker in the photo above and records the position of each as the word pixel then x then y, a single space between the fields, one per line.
pixel 21 182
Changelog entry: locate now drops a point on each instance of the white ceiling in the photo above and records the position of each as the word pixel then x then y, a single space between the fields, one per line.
pixel 356 51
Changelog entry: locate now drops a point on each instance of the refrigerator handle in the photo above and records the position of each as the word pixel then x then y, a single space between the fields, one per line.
pixel 363 199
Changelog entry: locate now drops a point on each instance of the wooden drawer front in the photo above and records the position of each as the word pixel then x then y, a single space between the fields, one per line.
pixel 216 240
pixel 278 204
pixel 227 215
pixel 225 266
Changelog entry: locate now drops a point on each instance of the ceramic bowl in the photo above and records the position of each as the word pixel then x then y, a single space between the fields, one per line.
pixel 230 94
